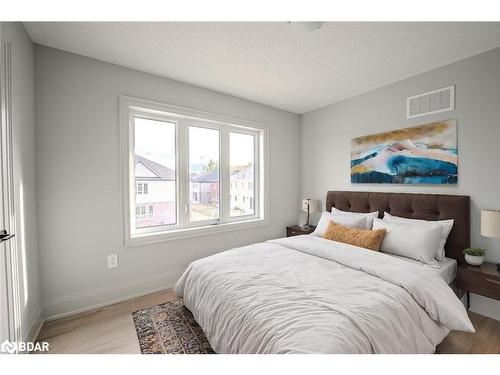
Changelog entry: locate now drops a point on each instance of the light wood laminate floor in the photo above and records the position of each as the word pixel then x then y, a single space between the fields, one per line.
pixel 111 330
pixel 106 330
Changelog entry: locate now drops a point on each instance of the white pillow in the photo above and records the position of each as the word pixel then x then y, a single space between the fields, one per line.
pixel 411 241
pixel 369 216
pixel 444 225
pixel 348 221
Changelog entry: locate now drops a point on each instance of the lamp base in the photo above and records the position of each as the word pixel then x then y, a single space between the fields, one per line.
pixel 304 226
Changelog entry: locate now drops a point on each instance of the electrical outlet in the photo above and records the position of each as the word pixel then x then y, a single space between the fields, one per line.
pixel 112 261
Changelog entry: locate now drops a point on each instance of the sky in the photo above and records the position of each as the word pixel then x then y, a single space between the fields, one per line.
pixel 155 140
pixel 241 149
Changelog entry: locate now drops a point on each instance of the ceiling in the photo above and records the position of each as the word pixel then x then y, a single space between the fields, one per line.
pixel 285 65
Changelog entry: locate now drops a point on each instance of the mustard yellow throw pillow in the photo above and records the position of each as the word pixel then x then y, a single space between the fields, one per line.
pixel 369 239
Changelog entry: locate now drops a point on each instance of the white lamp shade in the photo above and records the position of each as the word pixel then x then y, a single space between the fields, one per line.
pixel 313 205
pixel 490 224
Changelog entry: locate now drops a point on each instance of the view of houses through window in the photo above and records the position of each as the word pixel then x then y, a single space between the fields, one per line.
pixel 155 179
pixel 241 161
pixel 159 141
pixel 204 174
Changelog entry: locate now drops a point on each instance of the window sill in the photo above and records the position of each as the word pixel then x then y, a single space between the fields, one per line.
pixel 155 237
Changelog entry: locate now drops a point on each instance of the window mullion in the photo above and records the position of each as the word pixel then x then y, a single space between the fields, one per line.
pixel 183 173
pixel 258 188
pixel 224 173
pixel 131 185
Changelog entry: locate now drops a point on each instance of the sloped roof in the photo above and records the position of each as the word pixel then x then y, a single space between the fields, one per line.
pixel 244 174
pixel 163 173
pixel 212 176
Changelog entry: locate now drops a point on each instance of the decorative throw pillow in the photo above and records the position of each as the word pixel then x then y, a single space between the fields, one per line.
pixel 369 239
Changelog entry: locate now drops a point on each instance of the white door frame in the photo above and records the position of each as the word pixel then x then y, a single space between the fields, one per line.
pixel 7 209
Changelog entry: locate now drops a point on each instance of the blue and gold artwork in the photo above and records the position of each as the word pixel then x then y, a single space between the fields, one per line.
pixel 424 154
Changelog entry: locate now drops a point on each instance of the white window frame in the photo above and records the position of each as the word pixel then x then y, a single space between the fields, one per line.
pixel 197 123
pixel 241 184
pixel 130 107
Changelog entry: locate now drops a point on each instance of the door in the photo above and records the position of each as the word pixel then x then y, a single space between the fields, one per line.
pixel 9 295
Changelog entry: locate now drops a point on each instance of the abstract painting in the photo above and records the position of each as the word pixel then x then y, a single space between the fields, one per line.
pixel 424 154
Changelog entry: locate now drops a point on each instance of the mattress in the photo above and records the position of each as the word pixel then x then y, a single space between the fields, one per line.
pixel 447 267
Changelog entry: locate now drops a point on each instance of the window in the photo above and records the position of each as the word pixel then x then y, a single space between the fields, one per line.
pixel 140 212
pixel 142 189
pixel 188 170
pixel 154 170
pixel 204 173
pixel 241 164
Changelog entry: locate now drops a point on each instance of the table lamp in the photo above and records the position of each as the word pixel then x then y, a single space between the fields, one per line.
pixel 309 206
pixel 490 225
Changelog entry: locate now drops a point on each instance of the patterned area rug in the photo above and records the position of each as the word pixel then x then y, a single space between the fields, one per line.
pixel 169 328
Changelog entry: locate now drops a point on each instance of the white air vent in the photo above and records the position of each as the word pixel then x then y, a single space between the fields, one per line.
pixel 436 101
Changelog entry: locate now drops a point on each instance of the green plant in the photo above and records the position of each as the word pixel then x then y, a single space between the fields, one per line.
pixel 475 251
pixel 211 166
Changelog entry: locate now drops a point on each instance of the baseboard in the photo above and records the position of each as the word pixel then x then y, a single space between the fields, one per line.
pixel 36 325
pixel 97 298
pixel 485 306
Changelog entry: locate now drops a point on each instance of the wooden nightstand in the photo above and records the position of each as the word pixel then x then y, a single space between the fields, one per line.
pixel 295 230
pixel 483 280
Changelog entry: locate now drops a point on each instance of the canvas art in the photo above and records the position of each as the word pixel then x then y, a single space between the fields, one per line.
pixel 424 154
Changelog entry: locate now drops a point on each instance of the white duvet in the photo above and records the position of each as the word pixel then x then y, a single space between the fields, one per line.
pixel 306 294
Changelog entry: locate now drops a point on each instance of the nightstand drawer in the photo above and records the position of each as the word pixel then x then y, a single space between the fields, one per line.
pixel 485 284
pixel 296 230
pixel 292 232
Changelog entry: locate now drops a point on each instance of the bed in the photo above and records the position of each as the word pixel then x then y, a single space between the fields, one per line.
pixel 306 294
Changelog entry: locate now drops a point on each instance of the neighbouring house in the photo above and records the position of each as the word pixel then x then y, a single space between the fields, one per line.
pixel 242 191
pixel 205 187
pixel 155 193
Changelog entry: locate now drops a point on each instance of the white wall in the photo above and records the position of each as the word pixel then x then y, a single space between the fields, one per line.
pixel 23 139
pixel 78 174
pixel 327 132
